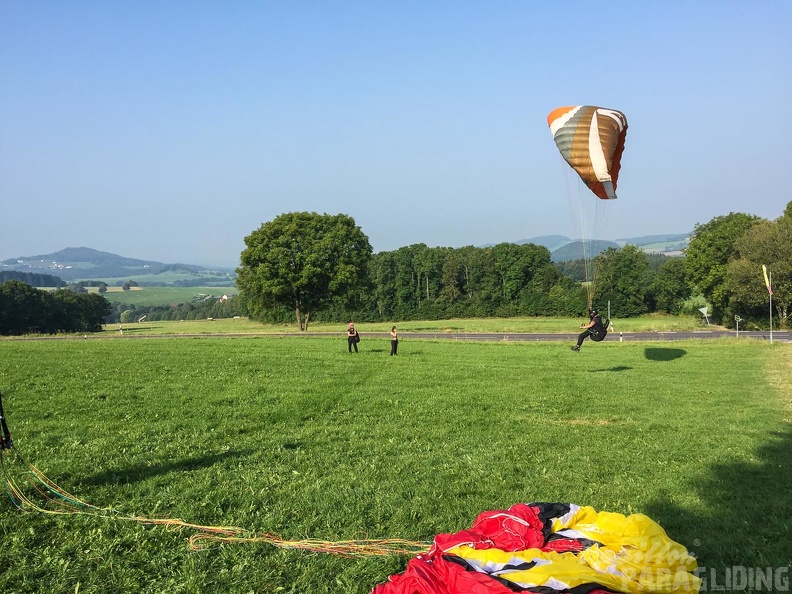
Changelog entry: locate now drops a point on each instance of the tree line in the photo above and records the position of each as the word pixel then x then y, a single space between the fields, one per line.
pixel 424 283
pixel 420 282
pixel 34 279
pixel 724 260
pixel 27 310
pixel 303 266
pixel 308 267
pixel 505 280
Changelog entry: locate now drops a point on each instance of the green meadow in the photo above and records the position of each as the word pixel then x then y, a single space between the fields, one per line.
pixel 295 436
pixel 531 325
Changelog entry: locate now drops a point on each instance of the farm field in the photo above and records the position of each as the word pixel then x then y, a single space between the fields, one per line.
pixel 148 296
pixel 300 438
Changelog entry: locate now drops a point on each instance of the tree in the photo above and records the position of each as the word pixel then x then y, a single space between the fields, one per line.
pixel 452 277
pixel 623 277
pixel 428 264
pixel 79 312
pixel 670 286
pixel 302 260
pixel 23 309
pixel 76 288
pixel 512 270
pixel 567 298
pixel 27 310
pixel 536 300
pixel 382 270
pixel 526 274
pixel 405 291
pixel 708 254
pixel 768 243
pixel 482 285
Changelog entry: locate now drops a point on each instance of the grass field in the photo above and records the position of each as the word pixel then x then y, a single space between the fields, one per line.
pixel 651 323
pixel 298 437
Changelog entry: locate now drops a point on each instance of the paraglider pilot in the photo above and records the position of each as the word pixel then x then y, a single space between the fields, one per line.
pixel 595 329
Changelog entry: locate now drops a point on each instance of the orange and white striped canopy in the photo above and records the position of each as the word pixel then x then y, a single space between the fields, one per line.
pixel 591 139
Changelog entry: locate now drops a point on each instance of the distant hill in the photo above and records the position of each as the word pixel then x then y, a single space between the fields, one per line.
pixel 652 239
pixel 551 242
pixel 76 264
pixel 669 245
pixel 563 249
pixel 574 250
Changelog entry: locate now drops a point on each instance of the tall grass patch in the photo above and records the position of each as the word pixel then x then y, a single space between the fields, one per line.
pixel 298 437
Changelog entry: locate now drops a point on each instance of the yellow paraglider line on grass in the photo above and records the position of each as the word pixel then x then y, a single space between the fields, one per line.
pixel 49 498
pixel 57 501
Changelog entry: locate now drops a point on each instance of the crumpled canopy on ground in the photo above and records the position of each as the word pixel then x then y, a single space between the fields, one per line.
pixel 550 548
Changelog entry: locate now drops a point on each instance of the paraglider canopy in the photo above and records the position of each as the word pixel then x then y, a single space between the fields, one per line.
pixel 591 140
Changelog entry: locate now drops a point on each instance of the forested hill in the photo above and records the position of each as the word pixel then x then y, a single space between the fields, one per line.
pixel 72 264
pixel 576 250
pixel 33 279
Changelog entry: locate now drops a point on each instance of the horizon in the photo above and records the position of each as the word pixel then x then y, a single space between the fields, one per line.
pixel 174 263
pixel 234 266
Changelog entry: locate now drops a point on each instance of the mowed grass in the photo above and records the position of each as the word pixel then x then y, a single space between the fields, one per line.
pixel 531 325
pixel 298 437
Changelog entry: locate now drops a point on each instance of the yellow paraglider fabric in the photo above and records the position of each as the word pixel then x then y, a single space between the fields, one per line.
pixel 633 554
pixel 546 548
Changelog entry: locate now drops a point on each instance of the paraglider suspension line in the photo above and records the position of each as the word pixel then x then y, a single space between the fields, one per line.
pixel 48 498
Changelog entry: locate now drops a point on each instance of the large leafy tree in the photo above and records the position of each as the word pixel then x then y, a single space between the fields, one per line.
pixel 302 260
pixel 516 266
pixel 405 291
pixel 482 284
pixel 670 286
pixel 623 277
pixel 382 270
pixel 707 258
pixel 453 277
pixel 768 243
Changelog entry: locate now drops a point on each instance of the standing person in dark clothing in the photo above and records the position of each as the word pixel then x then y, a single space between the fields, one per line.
pixel 352 337
pixel 595 329
pixel 394 341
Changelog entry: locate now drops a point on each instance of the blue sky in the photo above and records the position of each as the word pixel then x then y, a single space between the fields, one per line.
pixel 171 130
